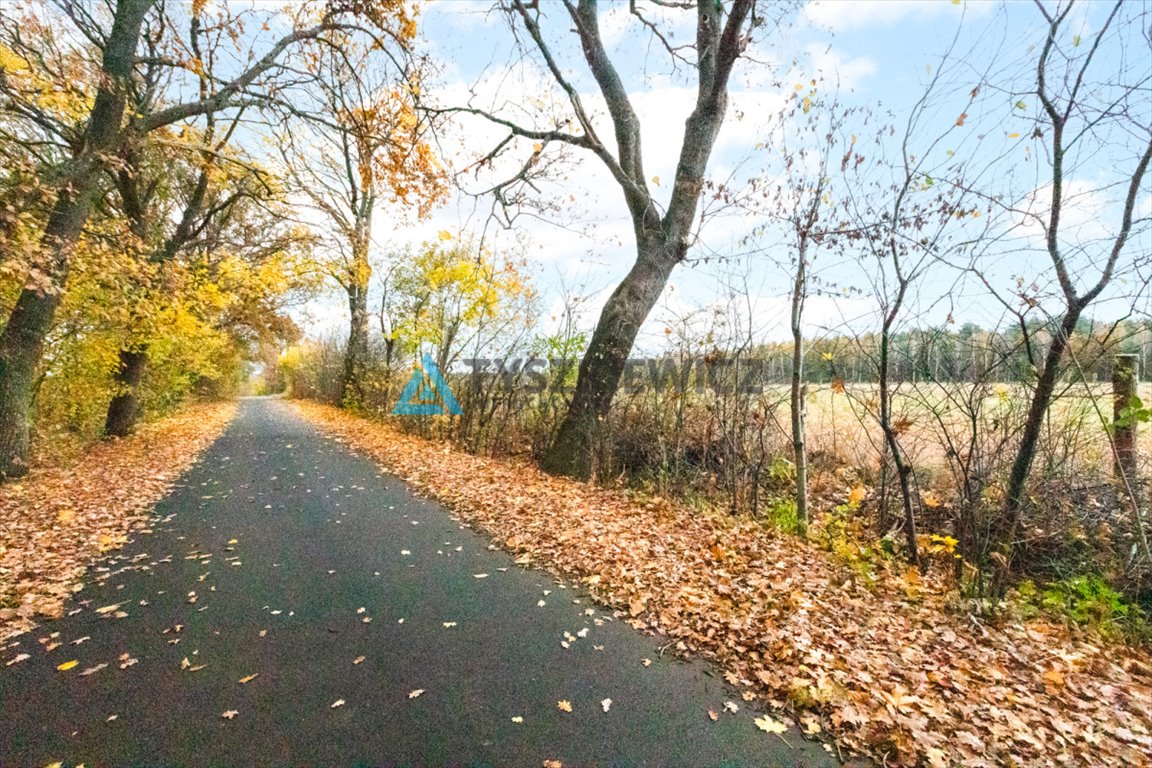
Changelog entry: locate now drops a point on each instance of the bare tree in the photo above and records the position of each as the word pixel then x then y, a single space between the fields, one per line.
pixel 806 204
pixel 663 235
pixel 1078 108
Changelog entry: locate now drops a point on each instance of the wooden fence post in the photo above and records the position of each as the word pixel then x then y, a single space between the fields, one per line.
pixel 1125 378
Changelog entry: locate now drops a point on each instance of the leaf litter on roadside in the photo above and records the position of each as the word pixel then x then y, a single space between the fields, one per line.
pixel 881 673
pixel 59 519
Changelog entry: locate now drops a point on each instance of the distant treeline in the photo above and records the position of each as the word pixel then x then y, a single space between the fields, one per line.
pixel 964 353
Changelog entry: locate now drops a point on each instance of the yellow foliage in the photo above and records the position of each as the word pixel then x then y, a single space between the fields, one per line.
pixel 450 285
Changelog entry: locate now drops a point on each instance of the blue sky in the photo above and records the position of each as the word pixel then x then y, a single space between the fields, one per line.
pixel 881 53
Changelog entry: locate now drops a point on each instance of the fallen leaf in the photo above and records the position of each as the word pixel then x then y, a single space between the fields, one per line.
pixel 249 678
pixel 67 665
pixel 337 703
pixel 517 719
pixel 713 715
pixel 93 670
pixel 768 725
pixel 564 705
pixel 229 714
pixel 416 693
pixel 606 704
pixel 358 660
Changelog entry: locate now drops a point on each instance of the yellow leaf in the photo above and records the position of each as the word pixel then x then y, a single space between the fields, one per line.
pixel 768 725
pixel 798 86
pixel 564 705
pixel 249 678
pixel 67 665
pixel 656 180
pixel 807 104
pixel 857 494
pixel 537 147
pixel 931 500
pixel 1054 676
pixel 445 235
pixel 1013 135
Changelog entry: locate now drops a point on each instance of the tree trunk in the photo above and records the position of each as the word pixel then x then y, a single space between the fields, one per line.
pixel 798 390
pixel 356 354
pixel 891 438
pixel 571 453
pixel 22 342
pixel 123 409
pixel 1030 436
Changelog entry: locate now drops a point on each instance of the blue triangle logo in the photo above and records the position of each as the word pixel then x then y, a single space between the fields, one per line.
pixel 427 394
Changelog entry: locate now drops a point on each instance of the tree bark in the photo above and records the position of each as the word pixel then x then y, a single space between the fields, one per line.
pixel 891 437
pixel 571 452
pixel 22 342
pixel 1030 435
pixel 123 409
pixel 798 390
pixel 356 353
pixel 661 241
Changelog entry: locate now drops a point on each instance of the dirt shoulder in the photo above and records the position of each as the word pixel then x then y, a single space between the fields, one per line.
pixel 888 669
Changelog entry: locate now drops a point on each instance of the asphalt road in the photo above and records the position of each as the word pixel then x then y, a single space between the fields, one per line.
pixel 285 556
